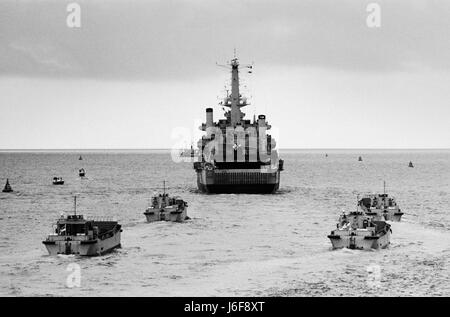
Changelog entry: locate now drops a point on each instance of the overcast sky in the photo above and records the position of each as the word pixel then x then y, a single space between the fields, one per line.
pixel 137 71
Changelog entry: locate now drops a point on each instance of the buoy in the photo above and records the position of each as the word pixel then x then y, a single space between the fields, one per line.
pixel 410 164
pixel 360 159
pixel 7 188
pixel 80 158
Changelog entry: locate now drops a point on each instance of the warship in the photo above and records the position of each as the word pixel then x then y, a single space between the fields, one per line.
pixel 7 188
pixel 166 208
pixel 237 155
pixel 356 230
pixel 381 205
pixel 79 236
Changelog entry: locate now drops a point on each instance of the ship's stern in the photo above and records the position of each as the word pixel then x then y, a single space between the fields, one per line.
pixel 251 181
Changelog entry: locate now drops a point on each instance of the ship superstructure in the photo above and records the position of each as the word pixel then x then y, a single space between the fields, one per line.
pixel 237 155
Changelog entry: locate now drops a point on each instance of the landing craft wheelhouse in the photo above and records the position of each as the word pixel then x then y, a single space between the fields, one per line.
pixel 237 155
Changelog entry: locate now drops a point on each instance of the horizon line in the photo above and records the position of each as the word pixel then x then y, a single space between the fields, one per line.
pixel 169 149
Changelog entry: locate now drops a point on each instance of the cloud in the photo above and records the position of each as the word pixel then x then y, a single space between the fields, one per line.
pixel 160 40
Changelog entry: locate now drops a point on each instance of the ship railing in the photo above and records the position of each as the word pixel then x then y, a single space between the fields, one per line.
pixel 77 237
pixel 99 219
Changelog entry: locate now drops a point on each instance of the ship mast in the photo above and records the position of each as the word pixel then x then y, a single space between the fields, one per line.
pixel 234 100
pixel 235 111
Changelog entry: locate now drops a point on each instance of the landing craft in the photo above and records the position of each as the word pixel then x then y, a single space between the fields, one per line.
pixel 58 181
pixel 82 172
pixel 382 206
pixel 358 231
pixel 76 235
pixel 166 208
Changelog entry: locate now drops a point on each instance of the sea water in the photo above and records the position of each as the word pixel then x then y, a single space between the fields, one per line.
pixel 234 244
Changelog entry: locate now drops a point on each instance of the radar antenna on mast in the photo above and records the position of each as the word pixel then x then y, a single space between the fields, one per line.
pixel 235 100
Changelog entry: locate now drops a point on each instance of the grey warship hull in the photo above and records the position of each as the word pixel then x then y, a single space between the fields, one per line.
pixel 243 182
pixel 239 189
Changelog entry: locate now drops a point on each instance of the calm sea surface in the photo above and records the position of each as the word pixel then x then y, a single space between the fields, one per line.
pixel 234 245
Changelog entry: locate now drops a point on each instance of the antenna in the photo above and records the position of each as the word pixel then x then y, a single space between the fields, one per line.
pixel 164 187
pixel 221 65
pixel 75 204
